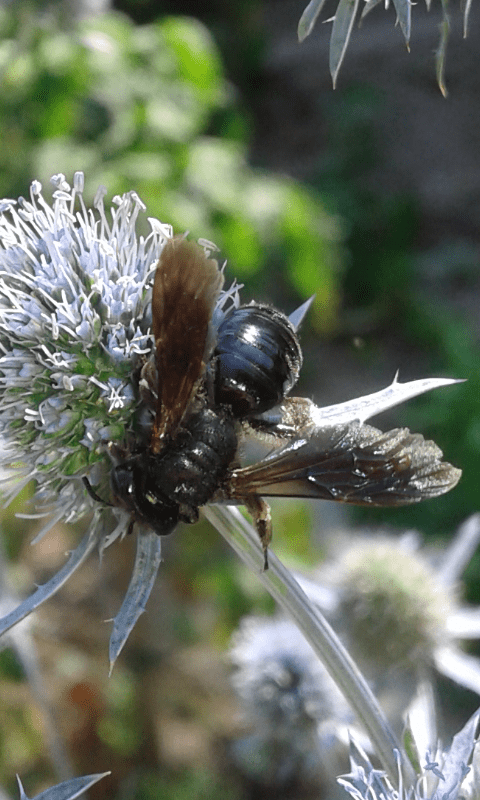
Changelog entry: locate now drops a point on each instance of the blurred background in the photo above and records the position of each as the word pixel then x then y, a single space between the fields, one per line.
pixel 366 196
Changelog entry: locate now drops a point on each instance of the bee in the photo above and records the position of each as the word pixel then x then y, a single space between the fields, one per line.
pixel 214 384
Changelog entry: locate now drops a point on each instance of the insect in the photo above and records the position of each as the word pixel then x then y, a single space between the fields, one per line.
pixel 211 387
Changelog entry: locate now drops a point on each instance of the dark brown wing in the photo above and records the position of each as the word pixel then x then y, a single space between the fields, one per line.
pixel 352 463
pixel 185 289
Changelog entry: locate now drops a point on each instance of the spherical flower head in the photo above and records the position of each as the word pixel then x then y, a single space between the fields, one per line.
pixel 394 607
pixel 75 324
pixel 288 699
pixel 279 677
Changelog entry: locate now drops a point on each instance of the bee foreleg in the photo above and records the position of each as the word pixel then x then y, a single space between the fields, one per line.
pixel 91 491
pixel 188 513
pixel 262 518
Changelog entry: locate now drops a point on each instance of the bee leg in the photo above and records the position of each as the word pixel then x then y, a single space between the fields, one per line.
pixel 188 513
pixel 262 518
pixel 91 491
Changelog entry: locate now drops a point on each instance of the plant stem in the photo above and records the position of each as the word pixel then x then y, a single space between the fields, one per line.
pixel 285 590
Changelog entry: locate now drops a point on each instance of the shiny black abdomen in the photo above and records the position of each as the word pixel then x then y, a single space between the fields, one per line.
pixel 161 490
pixel 257 359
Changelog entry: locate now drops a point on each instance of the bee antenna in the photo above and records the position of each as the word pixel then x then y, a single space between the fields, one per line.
pixel 91 491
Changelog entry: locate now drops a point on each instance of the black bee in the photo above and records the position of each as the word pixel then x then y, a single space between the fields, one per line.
pixel 212 386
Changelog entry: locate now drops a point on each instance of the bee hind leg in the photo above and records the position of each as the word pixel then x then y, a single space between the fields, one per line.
pixel 262 519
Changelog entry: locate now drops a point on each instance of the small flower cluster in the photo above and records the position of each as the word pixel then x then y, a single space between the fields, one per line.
pixel 297 718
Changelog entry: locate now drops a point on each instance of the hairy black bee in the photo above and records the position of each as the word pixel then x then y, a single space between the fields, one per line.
pixel 211 388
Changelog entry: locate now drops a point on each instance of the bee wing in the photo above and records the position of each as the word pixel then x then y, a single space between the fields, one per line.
pixel 352 463
pixel 185 289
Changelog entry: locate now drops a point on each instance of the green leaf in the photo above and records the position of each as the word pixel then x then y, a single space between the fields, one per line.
pixel 198 62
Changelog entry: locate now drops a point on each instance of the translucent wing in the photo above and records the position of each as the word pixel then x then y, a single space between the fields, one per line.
pixel 185 289
pixel 352 463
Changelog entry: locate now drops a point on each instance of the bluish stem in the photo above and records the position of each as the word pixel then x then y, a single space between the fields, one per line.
pixel 285 590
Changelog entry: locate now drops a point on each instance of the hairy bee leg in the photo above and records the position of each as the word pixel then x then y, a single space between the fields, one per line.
pixel 262 518
pixel 91 491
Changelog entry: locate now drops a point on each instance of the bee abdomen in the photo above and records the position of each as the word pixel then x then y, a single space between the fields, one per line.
pixel 257 359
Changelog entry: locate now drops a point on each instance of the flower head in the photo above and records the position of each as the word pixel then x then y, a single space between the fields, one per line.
pixel 292 705
pixel 389 595
pixel 75 320
pixel 75 323
pixel 400 608
pixel 74 315
pixel 447 774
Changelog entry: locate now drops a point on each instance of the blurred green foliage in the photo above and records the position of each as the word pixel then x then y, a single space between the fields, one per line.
pixel 10 666
pixel 201 783
pixel 120 726
pixel 147 108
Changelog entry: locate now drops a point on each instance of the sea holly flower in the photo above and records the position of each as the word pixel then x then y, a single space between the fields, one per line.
pixel 442 773
pixel 297 718
pixel 399 607
pixel 75 323
pixel 401 617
